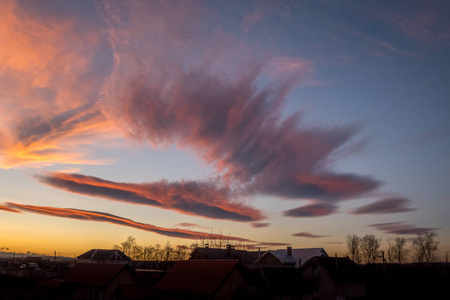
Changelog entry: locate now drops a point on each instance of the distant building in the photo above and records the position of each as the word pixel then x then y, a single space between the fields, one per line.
pixel 334 278
pixel 103 256
pixel 245 257
pixel 203 279
pixel 291 257
pixel 98 281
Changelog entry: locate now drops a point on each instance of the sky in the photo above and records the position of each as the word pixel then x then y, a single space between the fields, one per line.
pixel 275 123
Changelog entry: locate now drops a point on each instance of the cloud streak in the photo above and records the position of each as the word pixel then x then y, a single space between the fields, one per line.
pixel 205 199
pixel 260 225
pixel 400 228
pixel 385 206
pixel 95 216
pixel 318 209
pixel 309 235
pixel 187 224
pixel 9 209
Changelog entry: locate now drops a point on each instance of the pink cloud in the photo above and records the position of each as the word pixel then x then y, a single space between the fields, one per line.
pixel 174 81
pixel 230 123
pixel 206 199
pixel 49 79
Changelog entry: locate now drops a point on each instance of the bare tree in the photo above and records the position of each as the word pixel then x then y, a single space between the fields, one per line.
pixel 147 253
pixel 400 251
pixel 425 247
pixel 221 241
pixel 390 250
pixel 370 248
pixel 354 248
pixel 130 248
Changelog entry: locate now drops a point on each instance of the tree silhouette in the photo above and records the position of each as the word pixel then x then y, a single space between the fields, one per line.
pixel 370 248
pixel 425 247
pixel 354 248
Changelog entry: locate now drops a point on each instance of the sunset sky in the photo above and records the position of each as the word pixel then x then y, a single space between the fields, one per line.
pixel 272 122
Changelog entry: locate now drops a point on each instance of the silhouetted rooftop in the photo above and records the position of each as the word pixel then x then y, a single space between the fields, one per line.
pixel 245 257
pixel 93 274
pixel 341 269
pixel 104 254
pixel 197 276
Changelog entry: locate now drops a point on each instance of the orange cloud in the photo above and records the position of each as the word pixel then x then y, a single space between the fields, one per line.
pixel 206 199
pixel 113 219
pixel 9 209
pixel 49 82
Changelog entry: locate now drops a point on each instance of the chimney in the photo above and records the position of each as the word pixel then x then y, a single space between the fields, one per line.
pixel 335 259
pixel 289 251
pixel 299 263
pixel 206 245
pixel 228 251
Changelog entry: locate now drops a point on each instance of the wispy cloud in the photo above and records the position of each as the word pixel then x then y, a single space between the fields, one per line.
pixel 172 81
pixel 426 23
pixel 206 199
pixel 260 225
pixel 49 81
pixel 269 244
pixel 214 105
pixel 318 209
pixel 400 228
pixel 109 218
pixel 9 209
pixel 309 235
pixel 385 206
pixel 190 225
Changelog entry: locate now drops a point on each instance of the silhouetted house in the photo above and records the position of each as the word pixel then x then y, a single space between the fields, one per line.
pixel 245 257
pixel 333 277
pixel 291 257
pixel 98 281
pixel 103 256
pixel 203 279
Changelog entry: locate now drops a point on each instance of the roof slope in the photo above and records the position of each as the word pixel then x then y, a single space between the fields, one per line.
pixel 245 257
pixel 197 276
pixel 341 269
pixel 93 274
pixel 306 254
pixel 104 254
pixel 282 256
pixel 303 254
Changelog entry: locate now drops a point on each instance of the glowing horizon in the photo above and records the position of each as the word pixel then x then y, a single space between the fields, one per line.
pixel 291 124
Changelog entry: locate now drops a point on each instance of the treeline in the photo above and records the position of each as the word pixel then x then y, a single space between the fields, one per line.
pixel 154 252
pixel 170 253
pixel 422 249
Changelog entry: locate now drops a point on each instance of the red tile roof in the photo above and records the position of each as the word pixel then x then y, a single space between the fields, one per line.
pixel 93 274
pixel 197 276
